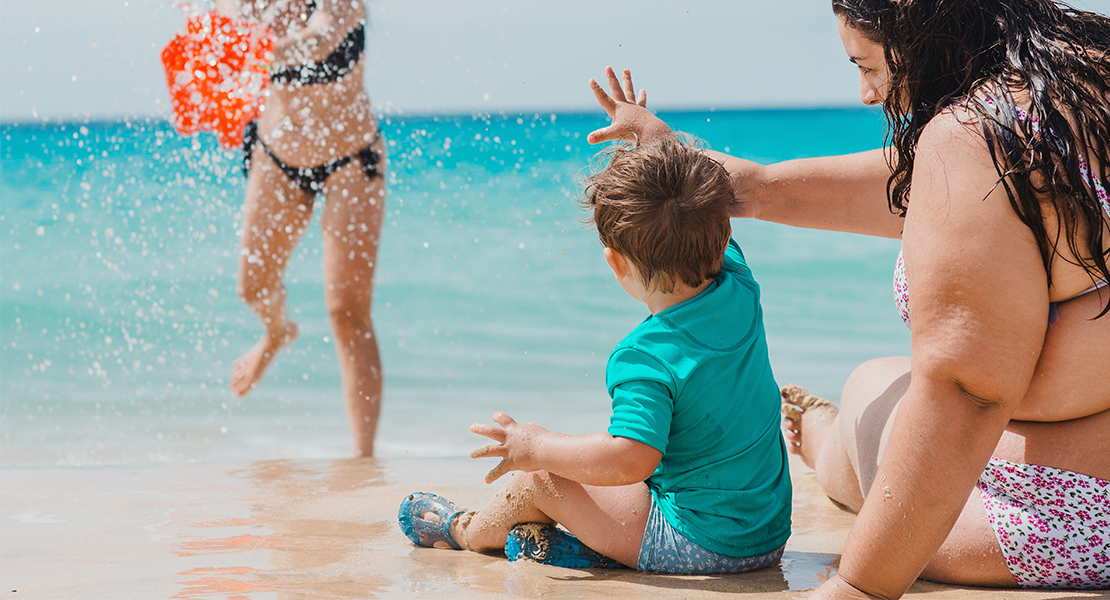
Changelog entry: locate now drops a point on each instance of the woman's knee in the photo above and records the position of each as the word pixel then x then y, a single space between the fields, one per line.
pixel 873 379
pixel 255 287
pixel 867 408
pixel 260 276
pixel 351 321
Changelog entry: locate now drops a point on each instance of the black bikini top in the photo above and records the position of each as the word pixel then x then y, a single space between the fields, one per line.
pixel 331 69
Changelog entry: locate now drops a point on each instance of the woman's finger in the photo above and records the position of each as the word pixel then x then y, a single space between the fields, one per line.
pixel 642 101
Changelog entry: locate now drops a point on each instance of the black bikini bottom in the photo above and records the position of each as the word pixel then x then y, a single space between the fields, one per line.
pixel 310 179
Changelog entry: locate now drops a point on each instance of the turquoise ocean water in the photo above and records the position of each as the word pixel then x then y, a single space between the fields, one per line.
pixel 119 322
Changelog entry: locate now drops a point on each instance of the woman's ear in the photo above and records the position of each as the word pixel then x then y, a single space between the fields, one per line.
pixel 617 262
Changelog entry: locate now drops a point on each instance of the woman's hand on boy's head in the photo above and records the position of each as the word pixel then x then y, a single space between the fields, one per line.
pixel 516 443
pixel 629 112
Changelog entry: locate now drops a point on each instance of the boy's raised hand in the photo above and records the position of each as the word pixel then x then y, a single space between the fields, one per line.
pixel 516 444
pixel 630 115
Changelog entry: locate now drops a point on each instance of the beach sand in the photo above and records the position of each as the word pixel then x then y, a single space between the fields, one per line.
pixel 327 529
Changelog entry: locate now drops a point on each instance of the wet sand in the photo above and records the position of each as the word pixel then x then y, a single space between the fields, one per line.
pixel 327 529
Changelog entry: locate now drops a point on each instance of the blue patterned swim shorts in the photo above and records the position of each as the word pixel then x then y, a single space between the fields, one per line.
pixel 665 550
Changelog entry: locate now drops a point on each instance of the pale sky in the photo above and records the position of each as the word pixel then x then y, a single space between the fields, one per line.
pixel 99 59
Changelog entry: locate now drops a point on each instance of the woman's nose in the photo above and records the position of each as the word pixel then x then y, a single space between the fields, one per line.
pixel 868 94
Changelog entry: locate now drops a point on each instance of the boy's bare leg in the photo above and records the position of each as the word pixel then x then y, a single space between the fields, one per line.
pixel 608 519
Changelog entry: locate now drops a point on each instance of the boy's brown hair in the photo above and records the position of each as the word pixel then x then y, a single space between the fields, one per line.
pixel 663 205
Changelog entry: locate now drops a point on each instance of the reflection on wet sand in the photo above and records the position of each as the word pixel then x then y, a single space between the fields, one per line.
pixel 302 518
pixel 227 580
pixel 329 528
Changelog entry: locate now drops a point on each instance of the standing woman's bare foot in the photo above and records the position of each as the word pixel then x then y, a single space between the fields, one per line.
pixel 809 420
pixel 250 367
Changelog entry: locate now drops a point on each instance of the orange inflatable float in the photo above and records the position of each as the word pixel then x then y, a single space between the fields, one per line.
pixel 217 75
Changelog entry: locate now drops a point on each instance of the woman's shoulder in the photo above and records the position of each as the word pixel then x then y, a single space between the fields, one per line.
pixel 991 102
pixel 955 178
pixel 954 121
pixel 954 138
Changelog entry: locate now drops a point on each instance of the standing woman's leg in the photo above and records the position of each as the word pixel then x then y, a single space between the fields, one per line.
pixel 275 215
pixel 352 221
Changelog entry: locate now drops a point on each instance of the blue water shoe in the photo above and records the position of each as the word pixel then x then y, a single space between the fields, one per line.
pixel 550 545
pixel 421 531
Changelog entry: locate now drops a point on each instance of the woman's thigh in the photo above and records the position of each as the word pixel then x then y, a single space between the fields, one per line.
pixel 971 554
pixel 275 215
pixel 351 223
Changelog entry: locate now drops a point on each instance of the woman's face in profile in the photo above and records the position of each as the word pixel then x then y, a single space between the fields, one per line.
pixel 874 76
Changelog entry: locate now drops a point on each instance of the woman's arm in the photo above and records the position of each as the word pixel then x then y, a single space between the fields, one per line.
pixel 592 459
pixel 979 312
pixel 837 193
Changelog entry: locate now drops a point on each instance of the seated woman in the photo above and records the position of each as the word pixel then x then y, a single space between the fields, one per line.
pixel 982 458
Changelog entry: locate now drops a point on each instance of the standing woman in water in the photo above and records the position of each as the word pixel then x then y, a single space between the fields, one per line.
pixel 316 137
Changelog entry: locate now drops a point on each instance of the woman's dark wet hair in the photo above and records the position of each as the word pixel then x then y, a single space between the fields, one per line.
pixel 978 54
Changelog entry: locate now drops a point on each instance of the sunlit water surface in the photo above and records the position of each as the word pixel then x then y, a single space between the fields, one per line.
pixel 119 322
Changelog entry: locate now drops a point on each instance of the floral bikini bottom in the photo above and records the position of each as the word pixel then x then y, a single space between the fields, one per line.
pixel 1053 525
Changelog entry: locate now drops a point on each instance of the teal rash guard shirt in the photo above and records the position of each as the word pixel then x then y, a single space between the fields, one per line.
pixel 695 383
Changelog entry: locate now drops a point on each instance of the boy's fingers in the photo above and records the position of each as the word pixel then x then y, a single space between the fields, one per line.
pixel 497 472
pixel 614 84
pixel 503 420
pixel 487 451
pixel 493 433
pixel 602 135
pixel 629 89
pixel 602 98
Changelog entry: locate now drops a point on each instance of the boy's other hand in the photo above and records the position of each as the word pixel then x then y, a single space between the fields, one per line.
pixel 631 118
pixel 516 444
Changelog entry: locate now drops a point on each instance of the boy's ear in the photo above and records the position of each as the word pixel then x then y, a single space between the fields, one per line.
pixel 617 262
